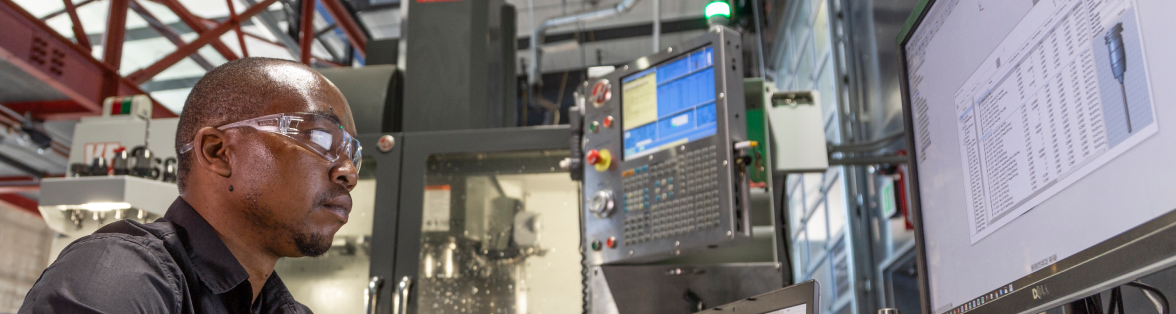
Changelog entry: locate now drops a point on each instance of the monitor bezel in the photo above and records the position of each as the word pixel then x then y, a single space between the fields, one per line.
pixel 1139 251
pixel 806 293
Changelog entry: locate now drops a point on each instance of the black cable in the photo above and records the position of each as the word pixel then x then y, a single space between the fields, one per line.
pixel 1163 299
pixel 1119 300
pixel 1116 303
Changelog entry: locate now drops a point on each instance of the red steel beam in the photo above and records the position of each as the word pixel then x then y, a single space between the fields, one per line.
pixel 112 45
pixel 264 40
pixel 20 188
pixel 42 109
pixel 116 31
pixel 194 22
pixel 79 32
pixel 214 34
pixel 167 32
pixel 17 184
pixel 237 26
pixel 20 202
pixel 343 18
pixel 63 11
pixel 307 29
pixel 31 46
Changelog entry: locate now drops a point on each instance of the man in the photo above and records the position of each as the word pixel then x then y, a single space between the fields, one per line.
pixel 267 163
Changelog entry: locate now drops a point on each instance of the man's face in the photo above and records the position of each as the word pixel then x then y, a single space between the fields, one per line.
pixel 294 196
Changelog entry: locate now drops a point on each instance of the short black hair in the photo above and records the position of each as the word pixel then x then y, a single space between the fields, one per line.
pixel 229 93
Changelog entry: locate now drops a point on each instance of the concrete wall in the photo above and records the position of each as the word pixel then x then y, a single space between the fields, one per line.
pixel 24 254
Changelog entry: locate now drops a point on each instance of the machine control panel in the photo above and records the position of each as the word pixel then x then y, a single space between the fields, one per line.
pixel 661 171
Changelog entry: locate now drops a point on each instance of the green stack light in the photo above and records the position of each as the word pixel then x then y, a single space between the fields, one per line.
pixel 718 7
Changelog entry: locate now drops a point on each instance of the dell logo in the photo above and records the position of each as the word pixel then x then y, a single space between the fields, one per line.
pixel 1040 292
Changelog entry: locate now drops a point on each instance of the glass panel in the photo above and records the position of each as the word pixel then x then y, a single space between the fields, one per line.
pixel 814 183
pixel 835 200
pixel 827 90
pixel 821 31
pixel 800 256
pixel 817 232
pixel 804 70
pixel 825 278
pixel 785 66
pixel 801 20
pixel 796 208
pixel 336 281
pixel 500 234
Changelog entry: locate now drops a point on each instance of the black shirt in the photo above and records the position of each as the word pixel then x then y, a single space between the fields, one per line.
pixel 175 265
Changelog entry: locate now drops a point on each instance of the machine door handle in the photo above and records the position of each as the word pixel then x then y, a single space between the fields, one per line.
pixel 400 301
pixel 373 295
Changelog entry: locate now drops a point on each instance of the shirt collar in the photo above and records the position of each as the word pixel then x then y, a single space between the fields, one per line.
pixel 218 269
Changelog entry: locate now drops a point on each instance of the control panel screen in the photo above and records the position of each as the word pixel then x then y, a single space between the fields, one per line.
pixel 670 104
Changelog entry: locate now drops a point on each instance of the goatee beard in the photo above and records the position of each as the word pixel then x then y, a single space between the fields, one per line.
pixel 312 244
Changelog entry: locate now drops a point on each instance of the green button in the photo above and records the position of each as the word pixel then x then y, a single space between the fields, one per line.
pixel 596 245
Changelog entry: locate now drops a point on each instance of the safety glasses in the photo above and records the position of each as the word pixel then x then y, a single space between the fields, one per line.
pixel 318 133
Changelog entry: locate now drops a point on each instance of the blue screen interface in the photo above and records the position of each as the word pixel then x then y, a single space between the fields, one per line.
pixel 670 104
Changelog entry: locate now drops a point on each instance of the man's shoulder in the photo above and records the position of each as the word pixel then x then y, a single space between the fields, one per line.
pixel 159 230
pixel 124 256
pixel 127 241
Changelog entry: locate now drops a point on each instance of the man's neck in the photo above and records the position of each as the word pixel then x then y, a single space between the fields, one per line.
pixel 246 246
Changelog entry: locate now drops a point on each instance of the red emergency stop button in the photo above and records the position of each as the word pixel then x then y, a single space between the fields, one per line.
pixel 593 157
pixel 600 160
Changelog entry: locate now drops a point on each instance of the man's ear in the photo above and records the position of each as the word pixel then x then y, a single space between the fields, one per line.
pixel 211 151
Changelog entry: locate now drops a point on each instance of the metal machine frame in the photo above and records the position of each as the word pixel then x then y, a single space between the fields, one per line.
pixel 403 184
pixel 1144 249
pixel 657 234
pixel 386 217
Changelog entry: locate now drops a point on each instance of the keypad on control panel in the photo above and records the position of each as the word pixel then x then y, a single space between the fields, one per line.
pixel 671 198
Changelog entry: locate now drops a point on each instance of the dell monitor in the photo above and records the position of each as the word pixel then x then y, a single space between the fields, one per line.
pixel 801 298
pixel 1040 145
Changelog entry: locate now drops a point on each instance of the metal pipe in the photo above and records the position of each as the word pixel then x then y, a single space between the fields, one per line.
pixel 19 165
pixel 759 43
pixel 271 23
pixel 321 32
pixel 355 34
pixel 317 36
pixel 868 160
pixel 656 26
pixel 871 146
pixel 539 32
